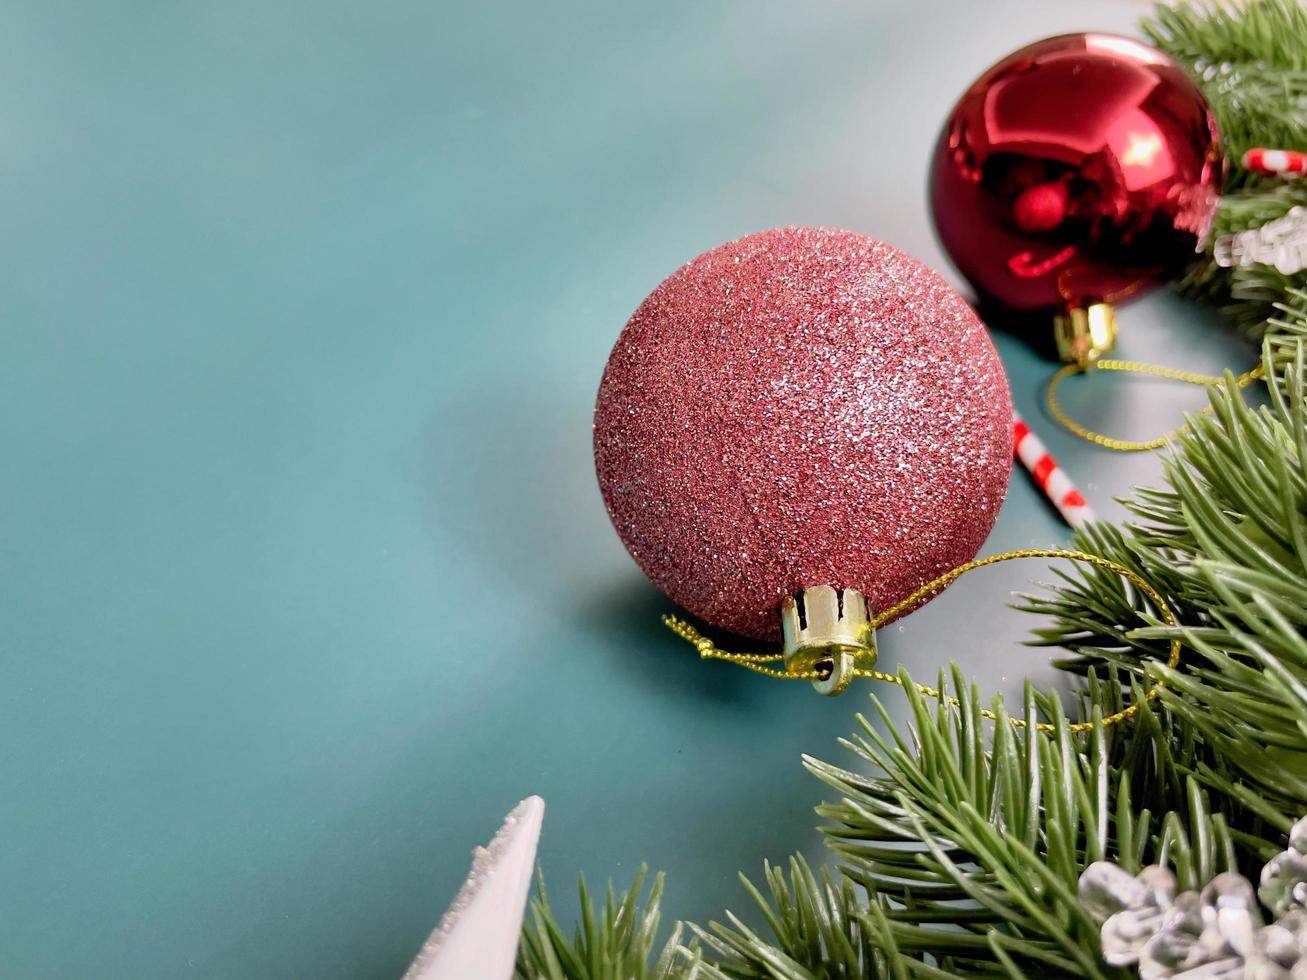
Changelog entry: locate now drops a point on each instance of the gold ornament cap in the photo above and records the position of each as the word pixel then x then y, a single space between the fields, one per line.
pixel 1085 333
pixel 827 630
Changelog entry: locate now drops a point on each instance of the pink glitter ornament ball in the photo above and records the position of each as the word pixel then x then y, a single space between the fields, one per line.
pixel 803 406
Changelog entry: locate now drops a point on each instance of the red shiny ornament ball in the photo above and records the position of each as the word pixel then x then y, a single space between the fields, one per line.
pixel 1081 169
pixel 801 407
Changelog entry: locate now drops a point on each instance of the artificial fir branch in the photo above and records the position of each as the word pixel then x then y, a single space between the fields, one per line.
pixel 1250 60
pixel 1269 33
pixel 615 942
pixel 1230 541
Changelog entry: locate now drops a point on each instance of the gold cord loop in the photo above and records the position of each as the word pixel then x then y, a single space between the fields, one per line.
pixel 758 662
pixel 1132 367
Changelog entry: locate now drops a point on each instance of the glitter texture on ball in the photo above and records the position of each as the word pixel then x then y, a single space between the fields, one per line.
pixel 801 407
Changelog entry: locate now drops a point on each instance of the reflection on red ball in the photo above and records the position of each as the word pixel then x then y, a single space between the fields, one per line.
pixel 801 407
pixel 1040 207
pixel 1081 169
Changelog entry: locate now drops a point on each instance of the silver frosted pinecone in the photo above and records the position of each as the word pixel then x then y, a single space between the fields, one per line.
pixel 1280 950
pixel 1284 877
pixel 1230 912
pixel 1106 888
pixel 1213 935
pixel 1284 882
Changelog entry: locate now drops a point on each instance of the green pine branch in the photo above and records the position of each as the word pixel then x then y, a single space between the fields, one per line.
pixel 1250 60
pixel 615 943
pixel 1268 33
pixel 1228 541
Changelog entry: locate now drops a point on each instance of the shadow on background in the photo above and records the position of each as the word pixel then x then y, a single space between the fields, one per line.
pixel 1034 329
pixel 626 618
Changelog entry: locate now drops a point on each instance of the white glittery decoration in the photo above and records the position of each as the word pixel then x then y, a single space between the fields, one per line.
pixel 478 936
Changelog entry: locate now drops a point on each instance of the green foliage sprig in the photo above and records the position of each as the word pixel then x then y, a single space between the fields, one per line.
pixel 1250 59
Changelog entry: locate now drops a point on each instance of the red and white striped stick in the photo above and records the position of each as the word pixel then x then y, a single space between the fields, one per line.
pixel 1282 163
pixel 1050 477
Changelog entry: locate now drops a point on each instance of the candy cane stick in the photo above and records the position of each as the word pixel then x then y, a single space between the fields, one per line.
pixel 1283 163
pixel 1057 486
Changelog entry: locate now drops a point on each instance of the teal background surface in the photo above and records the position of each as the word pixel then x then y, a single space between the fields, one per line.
pixel 306 579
